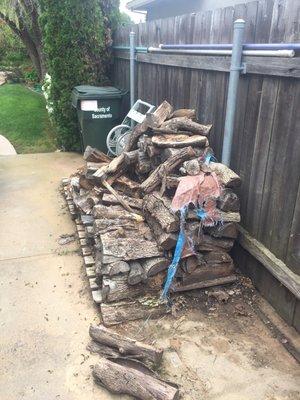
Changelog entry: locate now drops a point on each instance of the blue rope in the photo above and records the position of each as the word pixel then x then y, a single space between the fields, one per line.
pixel 209 158
pixel 177 255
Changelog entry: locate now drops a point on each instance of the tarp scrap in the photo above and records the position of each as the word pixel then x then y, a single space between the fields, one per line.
pixel 201 191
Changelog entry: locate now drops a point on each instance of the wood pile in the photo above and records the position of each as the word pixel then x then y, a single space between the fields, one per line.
pixel 127 224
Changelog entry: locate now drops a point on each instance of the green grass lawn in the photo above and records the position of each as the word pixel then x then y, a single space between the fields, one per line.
pixel 24 120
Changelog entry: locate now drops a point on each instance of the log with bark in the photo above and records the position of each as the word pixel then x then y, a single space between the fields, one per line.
pixel 115 248
pixel 179 141
pixel 126 346
pixel 125 380
pixel 228 177
pixel 130 310
pixel 159 207
pixel 184 112
pixel 184 124
pixel 151 120
pixel 96 156
pixel 228 201
pixel 165 168
pixel 109 199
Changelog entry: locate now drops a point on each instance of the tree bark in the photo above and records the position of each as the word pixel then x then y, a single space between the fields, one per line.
pixel 165 168
pixel 126 380
pixel 126 346
pixel 142 308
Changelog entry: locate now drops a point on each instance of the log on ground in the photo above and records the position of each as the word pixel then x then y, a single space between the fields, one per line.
pixel 125 345
pixel 125 380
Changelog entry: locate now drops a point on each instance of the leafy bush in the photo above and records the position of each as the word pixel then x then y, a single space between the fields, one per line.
pixel 30 75
pixel 77 36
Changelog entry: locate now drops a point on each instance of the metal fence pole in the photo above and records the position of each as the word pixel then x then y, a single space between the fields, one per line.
pixel 235 70
pixel 132 68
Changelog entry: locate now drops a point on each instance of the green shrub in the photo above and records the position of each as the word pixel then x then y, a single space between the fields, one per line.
pixel 77 35
pixel 30 75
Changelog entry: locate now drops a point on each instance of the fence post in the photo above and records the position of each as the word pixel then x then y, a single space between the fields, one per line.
pixel 132 68
pixel 235 70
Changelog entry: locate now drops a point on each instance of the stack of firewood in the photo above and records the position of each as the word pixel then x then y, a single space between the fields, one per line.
pixel 127 224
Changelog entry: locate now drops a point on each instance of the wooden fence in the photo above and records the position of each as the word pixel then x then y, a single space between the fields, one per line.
pixel 267 128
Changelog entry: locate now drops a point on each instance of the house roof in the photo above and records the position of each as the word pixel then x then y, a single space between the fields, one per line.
pixel 139 4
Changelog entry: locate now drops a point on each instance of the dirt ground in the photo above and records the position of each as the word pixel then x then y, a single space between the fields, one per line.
pixel 213 350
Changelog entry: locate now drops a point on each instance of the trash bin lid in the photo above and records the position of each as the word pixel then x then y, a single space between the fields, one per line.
pixel 86 92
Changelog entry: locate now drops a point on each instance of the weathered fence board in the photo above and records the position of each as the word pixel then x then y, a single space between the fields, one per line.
pixel 266 138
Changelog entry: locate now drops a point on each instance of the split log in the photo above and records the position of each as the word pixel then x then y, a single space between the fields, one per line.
pixel 153 151
pixel 185 124
pixel 87 219
pixel 159 208
pixel 217 257
pixel 136 274
pixel 94 155
pixel 104 225
pixel 169 151
pixel 120 199
pixel 204 284
pixel 109 199
pixel 116 288
pixel 92 167
pixel 178 141
pixel 143 142
pixel 165 168
pixel 221 215
pixel 114 212
pixel 126 346
pixel 159 116
pixel 228 201
pixel 165 240
pixel 125 380
pixel 127 249
pixel 131 157
pixel 127 185
pixel 85 183
pixel 115 168
pixel 172 182
pixel 116 268
pixel 184 112
pixel 162 113
pixel 229 216
pixel 227 177
pixel 191 167
pixel 209 272
pixel 227 230
pixel 144 163
pixel 142 308
pixel 209 243
pixel 153 266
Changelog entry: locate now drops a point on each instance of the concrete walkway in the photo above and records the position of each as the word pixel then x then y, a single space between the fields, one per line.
pixel 6 148
pixel 45 306
pixel 213 351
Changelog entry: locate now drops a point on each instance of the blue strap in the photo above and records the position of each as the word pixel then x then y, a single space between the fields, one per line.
pixel 177 255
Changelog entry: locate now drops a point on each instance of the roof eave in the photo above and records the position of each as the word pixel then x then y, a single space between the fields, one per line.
pixel 140 5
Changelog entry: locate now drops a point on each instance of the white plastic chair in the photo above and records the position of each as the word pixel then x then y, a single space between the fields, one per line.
pixel 117 136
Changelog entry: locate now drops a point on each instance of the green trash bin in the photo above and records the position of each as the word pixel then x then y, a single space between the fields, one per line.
pixel 98 111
